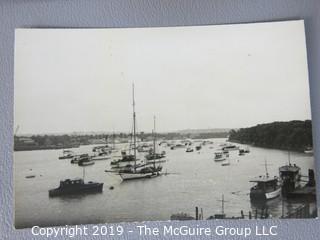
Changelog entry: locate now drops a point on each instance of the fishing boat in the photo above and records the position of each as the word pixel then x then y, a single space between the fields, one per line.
pixel 219 156
pixel 66 154
pixel 247 150
pixel 265 187
pixel 142 171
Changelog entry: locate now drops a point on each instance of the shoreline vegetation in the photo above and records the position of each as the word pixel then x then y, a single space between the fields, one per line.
pixel 292 136
pixel 64 141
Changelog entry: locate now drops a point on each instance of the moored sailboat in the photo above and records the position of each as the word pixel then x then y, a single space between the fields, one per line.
pixel 138 171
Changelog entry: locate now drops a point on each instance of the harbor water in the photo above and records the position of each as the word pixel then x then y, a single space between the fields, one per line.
pixel 192 179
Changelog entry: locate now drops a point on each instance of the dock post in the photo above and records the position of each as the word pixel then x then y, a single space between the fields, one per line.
pixel 250 216
pixel 197 213
pixel 242 214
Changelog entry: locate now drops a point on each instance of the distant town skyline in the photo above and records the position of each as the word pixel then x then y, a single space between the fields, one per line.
pixel 204 77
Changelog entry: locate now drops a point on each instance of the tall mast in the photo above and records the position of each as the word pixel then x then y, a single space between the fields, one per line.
pixel 114 140
pixel 154 134
pixel 134 128
pixel 222 204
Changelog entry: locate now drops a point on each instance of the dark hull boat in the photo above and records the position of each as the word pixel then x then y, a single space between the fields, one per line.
pixel 258 193
pixel 76 186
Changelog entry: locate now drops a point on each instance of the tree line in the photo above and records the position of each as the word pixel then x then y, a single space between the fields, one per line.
pixel 293 135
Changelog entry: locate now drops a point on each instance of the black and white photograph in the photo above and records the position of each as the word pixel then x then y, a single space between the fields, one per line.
pixel 119 125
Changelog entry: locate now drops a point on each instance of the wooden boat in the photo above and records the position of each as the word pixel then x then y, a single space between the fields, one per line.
pixel 265 188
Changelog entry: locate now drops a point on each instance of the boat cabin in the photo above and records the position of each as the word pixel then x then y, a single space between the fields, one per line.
pixel 265 183
pixel 70 183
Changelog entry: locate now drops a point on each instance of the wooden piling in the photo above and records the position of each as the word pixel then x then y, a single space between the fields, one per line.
pixel 197 213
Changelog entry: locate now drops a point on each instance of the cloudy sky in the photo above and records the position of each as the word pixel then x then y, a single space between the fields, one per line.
pixel 225 76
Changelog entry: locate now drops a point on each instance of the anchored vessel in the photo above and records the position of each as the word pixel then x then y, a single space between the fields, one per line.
pixel 143 170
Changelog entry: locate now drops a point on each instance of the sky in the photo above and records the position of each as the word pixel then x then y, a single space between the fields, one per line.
pixel 226 76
